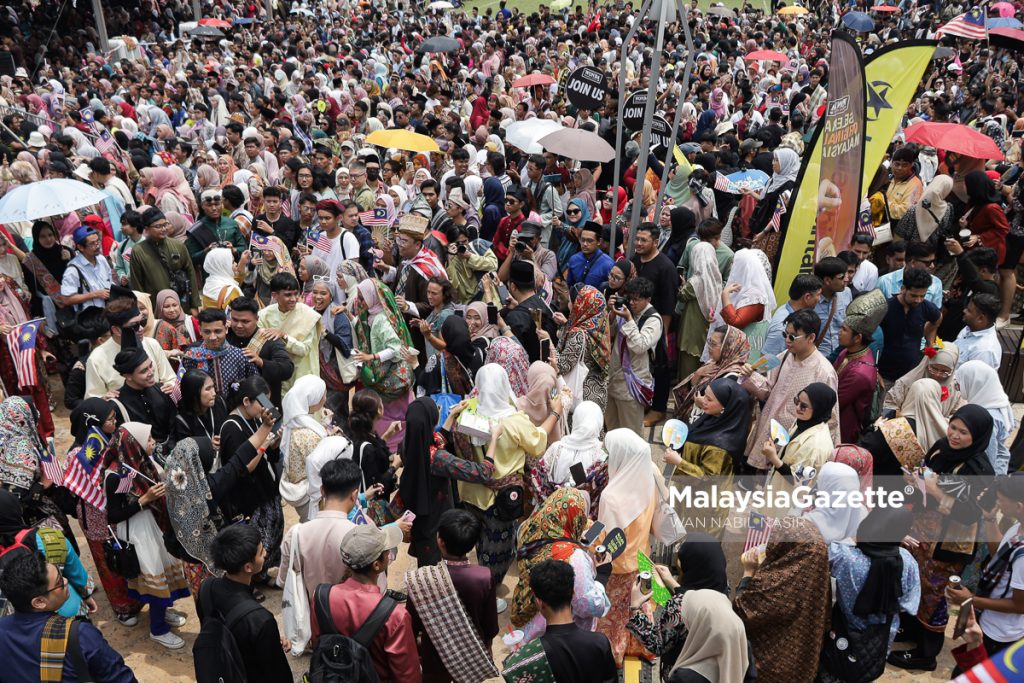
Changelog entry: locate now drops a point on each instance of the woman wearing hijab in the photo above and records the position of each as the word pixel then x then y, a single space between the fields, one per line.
pixel 381 335
pixel 682 224
pixel 785 600
pixel 272 258
pixel 586 189
pixel 901 441
pixel 716 441
pixel 728 352
pixel 930 220
pixel 586 340
pixel 980 385
pixel 785 167
pixel 220 287
pixel 553 532
pixel 837 523
pixel 312 269
pixel 168 309
pixel 937 364
pixel 985 216
pixel 874 580
pixel 622 272
pixel 300 435
pixel 628 502
pixel 959 469
pixel 481 332
pixel 542 380
pixel 620 206
pixel 577 214
pixel 44 266
pixel 582 446
pixel 493 207
pixel 137 512
pixel 169 191
pixel 747 300
pixel 700 297
pixel 419 490
pixel 510 354
pixel 810 442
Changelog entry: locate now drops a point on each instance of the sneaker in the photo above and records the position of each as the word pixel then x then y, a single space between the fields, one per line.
pixel 908 659
pixel 502 605
pixel 175 619
pixel 127 619
pixel 1002 322
pixel 169 640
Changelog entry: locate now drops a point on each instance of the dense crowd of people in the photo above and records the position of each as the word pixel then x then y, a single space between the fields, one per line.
pixel 461 346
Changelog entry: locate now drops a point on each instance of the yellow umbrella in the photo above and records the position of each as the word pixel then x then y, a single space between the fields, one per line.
pixel 793 9
pixel 403 139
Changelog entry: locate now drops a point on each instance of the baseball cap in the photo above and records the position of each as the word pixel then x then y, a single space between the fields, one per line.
pixel 363 545
pixel 82 233
pixel 750 144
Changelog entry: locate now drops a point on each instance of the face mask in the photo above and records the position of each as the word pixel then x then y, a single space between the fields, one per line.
pixel 372 174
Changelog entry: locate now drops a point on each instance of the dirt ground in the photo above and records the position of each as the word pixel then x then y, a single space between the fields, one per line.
pixel 153 663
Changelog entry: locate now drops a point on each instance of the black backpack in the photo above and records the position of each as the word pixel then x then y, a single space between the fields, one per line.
pixel 215 653
pixel 339 658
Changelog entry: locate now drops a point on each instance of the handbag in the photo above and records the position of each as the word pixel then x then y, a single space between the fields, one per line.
pixel 295 603
pixel 855 656
pixel 575 379
pixel 445 400
pixel 66 317
pixel 121 555
pixel 666 525
pixel 509 503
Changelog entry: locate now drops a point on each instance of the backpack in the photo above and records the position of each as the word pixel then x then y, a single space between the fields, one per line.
pixel 339 658
pixel 660 351
pixel 215 653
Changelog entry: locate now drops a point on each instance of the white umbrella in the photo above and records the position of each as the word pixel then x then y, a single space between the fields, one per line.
pixel 578 144
pixel 526 134
pixel 47 198
pixel 441 4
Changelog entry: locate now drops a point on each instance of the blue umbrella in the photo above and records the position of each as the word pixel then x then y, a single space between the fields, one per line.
pixel 752 178
pixel 1003 22
pixel 858 21
pixel 243 20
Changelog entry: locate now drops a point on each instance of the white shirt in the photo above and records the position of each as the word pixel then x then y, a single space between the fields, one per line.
pixel 982 345
pixel 1002 626
pixel 97 277
pixel 344 247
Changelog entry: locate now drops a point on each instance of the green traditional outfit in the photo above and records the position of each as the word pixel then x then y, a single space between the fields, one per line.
pixel 304 328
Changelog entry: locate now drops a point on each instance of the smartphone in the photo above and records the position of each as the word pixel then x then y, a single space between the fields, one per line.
pixel 668 471
pixel 579 474
pixel 545 349
pixel 459 313
pixel 592 533
pixel 492 314
pixel 265 402
pixel 966 608
pixel 409 516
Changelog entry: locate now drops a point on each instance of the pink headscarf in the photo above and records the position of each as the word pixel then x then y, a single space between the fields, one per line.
pixel 368 293
pixel 171 180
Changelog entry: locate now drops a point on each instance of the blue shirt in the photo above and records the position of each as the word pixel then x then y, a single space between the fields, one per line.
pixel 829 345
pixel 774 342
pixel 982 345
pixel 20 634
pixel 892 283
pixel 849 566
pixel 600 264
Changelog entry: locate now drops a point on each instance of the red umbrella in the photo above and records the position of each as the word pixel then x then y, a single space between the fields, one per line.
pixel 216 23
pixel 1009 38
pixel 532 80
pixel 953 137
pixel 766 55
pixel 885 8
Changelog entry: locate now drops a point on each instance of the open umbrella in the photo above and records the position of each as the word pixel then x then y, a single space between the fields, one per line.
pixel 206 32
pixel 216 23
pixel 578 144
pixel 943 52
pixel 1005 9
pixel 1003 22
pixel 526 135
pixel 441 4
pixel 46 198
pixel 721 11
pixel 885 8
pixel 403 139
pixel 766 55
pixel 243 20
pixel 858 21
pixel 532 80
pixel 439 44
pixel 305 11
pixel 1008 38
pixel 953 137
pixel 752 178
pixel 793 9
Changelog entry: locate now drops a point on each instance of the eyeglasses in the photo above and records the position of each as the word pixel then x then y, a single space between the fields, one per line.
pixel 61 583
pixel 793 337
pixel 940 373
pixel 800 404
pixel 511 200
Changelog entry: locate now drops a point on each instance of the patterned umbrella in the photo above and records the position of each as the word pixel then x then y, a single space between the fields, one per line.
pixel 46 198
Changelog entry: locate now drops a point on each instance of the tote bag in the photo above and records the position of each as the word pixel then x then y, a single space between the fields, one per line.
pixel 295 604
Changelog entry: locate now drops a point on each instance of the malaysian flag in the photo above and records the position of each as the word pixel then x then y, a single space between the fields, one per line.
pixel 84 474
pixel 780 208
pixel 970 25
pixel 759 529
pixel 377 218
pixel 105 142
pixel 21 342
pixel 176 392
pixel 127 479
pixel 723 184
pixel 261 241
pixel 51 466
pixel 318 239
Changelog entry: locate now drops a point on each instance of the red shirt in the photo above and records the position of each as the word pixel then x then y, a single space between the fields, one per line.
pixel 393 650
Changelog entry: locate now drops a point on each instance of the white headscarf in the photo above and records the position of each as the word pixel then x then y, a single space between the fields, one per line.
pixel 923 403
pixel 330 448
pixel 979 384
pixel 583 445
pixel 838 522
pixel 631 479
pixel 927 219
pixel 496 399
pixel 307 391
pixel 755 285
pixel 219 274
pixel 706 279
pixel 789 167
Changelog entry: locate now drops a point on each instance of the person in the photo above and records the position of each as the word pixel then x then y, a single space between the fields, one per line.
pixel 418 265
pixel 978 339
pixel 958 464
pixel 237 551
pixel 453 369
pixel 831 307
pixel 785 599
pixel 201 410
pixel 984 215
pixel 906 186
pixel 159 261
pixel 976 274
pixel 553 532
pixel 21 471
pixel 519 319
pixel 660 270
pixel 226 364
pixel 469 261
pixel 139 399
pixel 542 380
pixel 938 364
pixel 280 224
pixel 371 452
pixel 699 297
pixel 270 356
pixel 919 256
pixel 36 589
pixel 168 309
pixel 980 386
pixel 901 441
pixel 584 342
pixel 219 286
pixel 837 523
pixel 439 298
pixel 755 300
pixel 342 243
pixel 636 334
pixel 456 635
pixel 866 276
pixel 366 551
pixel 138 514
pixel 212 230
pixel 565 653
pixel 810 442
pixel 382 340
pixel 420 490
pixel 875 580
pixel 302 430
pixel 804 292
pixel 801 365
pixel 910 321
pixel 856 374
pixel 295 324
pixel 728 351
pixel 268 257
pixel 87 277
pixel 930 220
pixel 481 331
pixel 582 446
pixel 589 266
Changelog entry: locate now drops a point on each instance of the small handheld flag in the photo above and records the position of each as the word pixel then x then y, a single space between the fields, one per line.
pixel 21 342
pixel 377 218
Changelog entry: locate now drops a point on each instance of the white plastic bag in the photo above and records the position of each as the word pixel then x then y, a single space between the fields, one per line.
pixel 295 603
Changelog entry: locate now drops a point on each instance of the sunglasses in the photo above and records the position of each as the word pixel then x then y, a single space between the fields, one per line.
pixel 793 337
pixel 321 278
pixel 801 404
pixel 573 213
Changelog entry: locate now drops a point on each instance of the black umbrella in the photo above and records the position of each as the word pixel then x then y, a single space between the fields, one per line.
pixel 206 32
pixel 440 44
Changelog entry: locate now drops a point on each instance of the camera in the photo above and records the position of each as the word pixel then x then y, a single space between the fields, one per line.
pixel 520 245
pixel 461 247
pixel 926 203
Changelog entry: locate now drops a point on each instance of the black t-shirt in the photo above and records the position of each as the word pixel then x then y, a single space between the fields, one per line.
pixel 285 229
pixel 578 656
pixel 662 272
pixel 903 332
